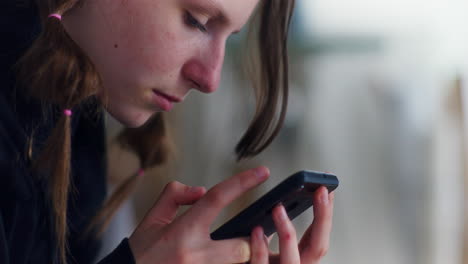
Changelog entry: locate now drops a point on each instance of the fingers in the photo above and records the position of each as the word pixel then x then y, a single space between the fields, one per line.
pixel 315 242
pixel 228 251
pixel 259 247
pixel 208 208
pixel 173 196
pixel 289 252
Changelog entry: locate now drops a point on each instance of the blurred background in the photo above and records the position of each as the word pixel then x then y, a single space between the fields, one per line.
pixel 378 97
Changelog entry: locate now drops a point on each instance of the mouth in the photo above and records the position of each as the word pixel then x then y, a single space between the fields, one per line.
pixel 165 101
pixel 171 98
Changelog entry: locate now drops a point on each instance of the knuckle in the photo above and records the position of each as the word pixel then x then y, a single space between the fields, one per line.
pixel 325 218
pixel 216 197
pixel 244 181
pixel 172 187
pixel 289 229
pixel 260 253
pixel 286 236
pixel 289 233
pixel 322 252
pixel 181 253
pixel 182 256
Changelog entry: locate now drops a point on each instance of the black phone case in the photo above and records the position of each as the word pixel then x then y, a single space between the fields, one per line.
pixel 295 193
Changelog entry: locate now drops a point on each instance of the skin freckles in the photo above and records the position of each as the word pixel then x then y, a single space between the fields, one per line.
pixel 142 46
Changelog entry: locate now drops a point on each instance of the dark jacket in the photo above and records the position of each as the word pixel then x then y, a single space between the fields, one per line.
pixel 26 227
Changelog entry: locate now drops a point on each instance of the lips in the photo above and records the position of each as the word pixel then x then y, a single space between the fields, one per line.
pixel 165 101
pixel 171 98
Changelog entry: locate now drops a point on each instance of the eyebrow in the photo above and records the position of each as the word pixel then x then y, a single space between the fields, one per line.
pixel 212 9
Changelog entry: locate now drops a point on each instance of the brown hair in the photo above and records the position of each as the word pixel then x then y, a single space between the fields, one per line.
pixel 269 73
pixel 57 71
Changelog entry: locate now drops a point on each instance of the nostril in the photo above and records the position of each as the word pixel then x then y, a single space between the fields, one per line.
pixel 195 85
pixel 200 87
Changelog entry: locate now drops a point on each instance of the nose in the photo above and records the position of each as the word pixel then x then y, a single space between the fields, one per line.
pixel 203 69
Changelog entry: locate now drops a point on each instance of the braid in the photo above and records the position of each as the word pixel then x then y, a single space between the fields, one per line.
pixel 57 72
pixel 55 159
pixel 152 146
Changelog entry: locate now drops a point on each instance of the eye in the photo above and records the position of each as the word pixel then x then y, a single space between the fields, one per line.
pixel 193 22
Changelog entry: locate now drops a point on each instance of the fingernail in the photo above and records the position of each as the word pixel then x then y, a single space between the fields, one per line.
pixel 244 252
pixel 261 172
pixel 260 233
pixel 324 195
pixel 283 216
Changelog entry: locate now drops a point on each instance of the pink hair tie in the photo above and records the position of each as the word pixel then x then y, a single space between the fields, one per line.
pixel 141 172
pixel 57 16
pixel 67 112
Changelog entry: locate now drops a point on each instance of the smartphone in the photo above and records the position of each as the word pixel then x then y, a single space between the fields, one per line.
pixel 295 193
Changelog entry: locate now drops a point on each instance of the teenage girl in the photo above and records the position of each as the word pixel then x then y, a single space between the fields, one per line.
pixel 64 62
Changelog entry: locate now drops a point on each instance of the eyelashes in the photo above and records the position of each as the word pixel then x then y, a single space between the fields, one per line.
pixel 193 22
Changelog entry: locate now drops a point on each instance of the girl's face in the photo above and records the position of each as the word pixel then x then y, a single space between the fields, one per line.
pixel 151 53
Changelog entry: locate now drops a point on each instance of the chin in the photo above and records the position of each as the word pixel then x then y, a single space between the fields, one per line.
pixel 130 119
pixel 133 123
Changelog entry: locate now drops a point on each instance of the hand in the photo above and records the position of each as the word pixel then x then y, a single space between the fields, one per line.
pixel 163 238
pixel 314 243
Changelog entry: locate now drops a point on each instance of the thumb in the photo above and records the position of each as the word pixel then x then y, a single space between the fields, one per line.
pixel 172 197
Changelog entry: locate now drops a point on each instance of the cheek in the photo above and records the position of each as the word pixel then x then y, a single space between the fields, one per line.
pixel 145 45
pixel 160 53
pixel 152 48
